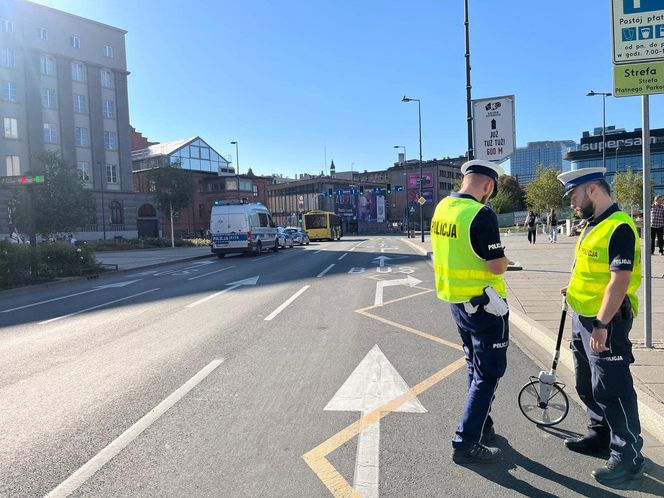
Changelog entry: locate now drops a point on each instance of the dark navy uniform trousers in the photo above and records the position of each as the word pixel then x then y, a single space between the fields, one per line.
pixel 604 383
pixel 485 340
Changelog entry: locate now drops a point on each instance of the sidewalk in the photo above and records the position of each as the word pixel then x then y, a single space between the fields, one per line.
pixel 142 258
pixel 535 307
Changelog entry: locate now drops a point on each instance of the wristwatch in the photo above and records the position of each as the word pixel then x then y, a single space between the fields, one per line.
pixel 599 325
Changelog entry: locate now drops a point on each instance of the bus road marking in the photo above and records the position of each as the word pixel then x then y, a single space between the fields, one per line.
pixel 81 476
pixel 286 303
pixel 325 271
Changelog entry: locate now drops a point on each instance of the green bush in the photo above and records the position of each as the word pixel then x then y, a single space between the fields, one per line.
pixel 49 260
pixel 142 243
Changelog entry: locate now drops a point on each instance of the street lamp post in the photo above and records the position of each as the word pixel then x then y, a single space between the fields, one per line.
pixel 604 95
pixel 237 167
pixel 419 116
pixel 103 207
pixel 405 168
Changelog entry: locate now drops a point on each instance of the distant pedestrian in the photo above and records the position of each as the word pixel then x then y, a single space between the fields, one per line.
pixel 657 224
pixel 552 226
pixel 15 237
pixel 531 224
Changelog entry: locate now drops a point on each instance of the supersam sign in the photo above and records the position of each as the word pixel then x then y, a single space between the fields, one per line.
pixel 638 31
pixel 493 128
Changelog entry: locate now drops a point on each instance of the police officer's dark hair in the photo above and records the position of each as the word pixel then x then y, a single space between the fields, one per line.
pixel 604 184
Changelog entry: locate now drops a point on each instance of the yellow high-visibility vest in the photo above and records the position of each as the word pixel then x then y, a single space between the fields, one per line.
pixel 460 273
pixel 591 273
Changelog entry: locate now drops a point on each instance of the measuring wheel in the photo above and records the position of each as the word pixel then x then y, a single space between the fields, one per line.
pixel 542 403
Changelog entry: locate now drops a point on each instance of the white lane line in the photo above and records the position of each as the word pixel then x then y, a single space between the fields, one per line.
pixel 211 273
pixel 342 256
pixel 286 303
pixel 357 245
pixel 232 286
pixel 98 306
pixel 78 478
pixel 263 257
pixel 325 271
pixel 49 300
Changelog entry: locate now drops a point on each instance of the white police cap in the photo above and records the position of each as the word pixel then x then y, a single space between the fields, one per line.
pixel 482 167
pixel 572 179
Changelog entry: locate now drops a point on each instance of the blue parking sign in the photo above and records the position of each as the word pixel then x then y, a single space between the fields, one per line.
pixel 641 6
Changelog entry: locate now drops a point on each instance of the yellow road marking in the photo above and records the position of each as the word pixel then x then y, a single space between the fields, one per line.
pixel 316 458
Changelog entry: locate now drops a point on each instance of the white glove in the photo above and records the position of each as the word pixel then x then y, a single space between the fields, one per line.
pixel 497 305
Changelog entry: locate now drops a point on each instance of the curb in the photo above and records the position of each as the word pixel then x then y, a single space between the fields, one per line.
pixel 419 249
pixel 651 419
pixel 67 280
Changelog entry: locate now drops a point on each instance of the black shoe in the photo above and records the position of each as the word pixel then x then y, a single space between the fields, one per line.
pixel 477 453
pixel 586 445
pixel 613 474
pixel 488 436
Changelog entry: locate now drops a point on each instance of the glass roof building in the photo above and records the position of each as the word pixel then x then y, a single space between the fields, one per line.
pixel 191 153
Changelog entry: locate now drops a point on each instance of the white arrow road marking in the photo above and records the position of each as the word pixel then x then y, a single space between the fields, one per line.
pixel 97 288
pixel 286 303
pixel 325 271
pixel 381 259
pixel 373 383
pixel 210 273
pixel 233 285
pixel 96 307
pixel 78 478
pixel 409 281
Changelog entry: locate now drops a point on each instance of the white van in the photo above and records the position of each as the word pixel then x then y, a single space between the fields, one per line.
pixel 242 228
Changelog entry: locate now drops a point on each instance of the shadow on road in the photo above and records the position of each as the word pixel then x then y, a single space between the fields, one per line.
pixel 500 474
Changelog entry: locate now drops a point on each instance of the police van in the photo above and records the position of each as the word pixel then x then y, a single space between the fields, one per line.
pixel 242 228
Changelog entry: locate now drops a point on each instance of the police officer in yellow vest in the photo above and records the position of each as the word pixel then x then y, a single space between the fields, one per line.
pixel 602 294
pixel 469 262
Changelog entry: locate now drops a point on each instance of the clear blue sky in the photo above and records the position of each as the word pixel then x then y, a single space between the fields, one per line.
pixel 290 79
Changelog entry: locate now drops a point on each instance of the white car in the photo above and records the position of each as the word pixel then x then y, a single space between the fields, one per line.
pixel 299 236
pixel 285 239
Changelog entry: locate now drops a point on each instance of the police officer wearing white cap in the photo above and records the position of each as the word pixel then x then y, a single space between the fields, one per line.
pixel 469 262
pixel 602 294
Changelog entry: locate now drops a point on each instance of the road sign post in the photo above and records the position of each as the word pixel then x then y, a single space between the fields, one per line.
pixel 638 55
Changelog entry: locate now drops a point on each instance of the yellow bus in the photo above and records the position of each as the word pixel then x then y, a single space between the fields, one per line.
pixel 322 225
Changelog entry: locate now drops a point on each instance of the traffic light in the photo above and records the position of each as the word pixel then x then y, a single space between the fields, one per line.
pixel 329 192
pixel 389 188
pixel 361 189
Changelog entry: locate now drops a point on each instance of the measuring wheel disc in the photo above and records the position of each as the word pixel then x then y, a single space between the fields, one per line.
pixel 546 412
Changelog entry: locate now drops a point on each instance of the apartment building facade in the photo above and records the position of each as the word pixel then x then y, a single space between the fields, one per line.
pixel 63 89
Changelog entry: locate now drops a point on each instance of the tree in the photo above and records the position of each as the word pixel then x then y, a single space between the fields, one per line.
pixel 61 204
pixel 173 189
pixel 510 197
pixel 545 191
pixel 628 190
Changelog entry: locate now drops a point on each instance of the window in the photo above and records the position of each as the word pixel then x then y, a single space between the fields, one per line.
pixel 255 189
pixel 77 71
pixel 48 98
pixel 80 104
pixel 9 91
pixel 108 109
pixel 43 34
pixel 106 78
pixel 7 57
pixel 13 165
pixel 112 173
pixel 117 216
pixel 108 51
pixel 75 41
pixel 6 25
pixel 110 140
pixel 83 168
pixel 46 65
pixel 50 133
pixel 11 128
pixel 82 137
